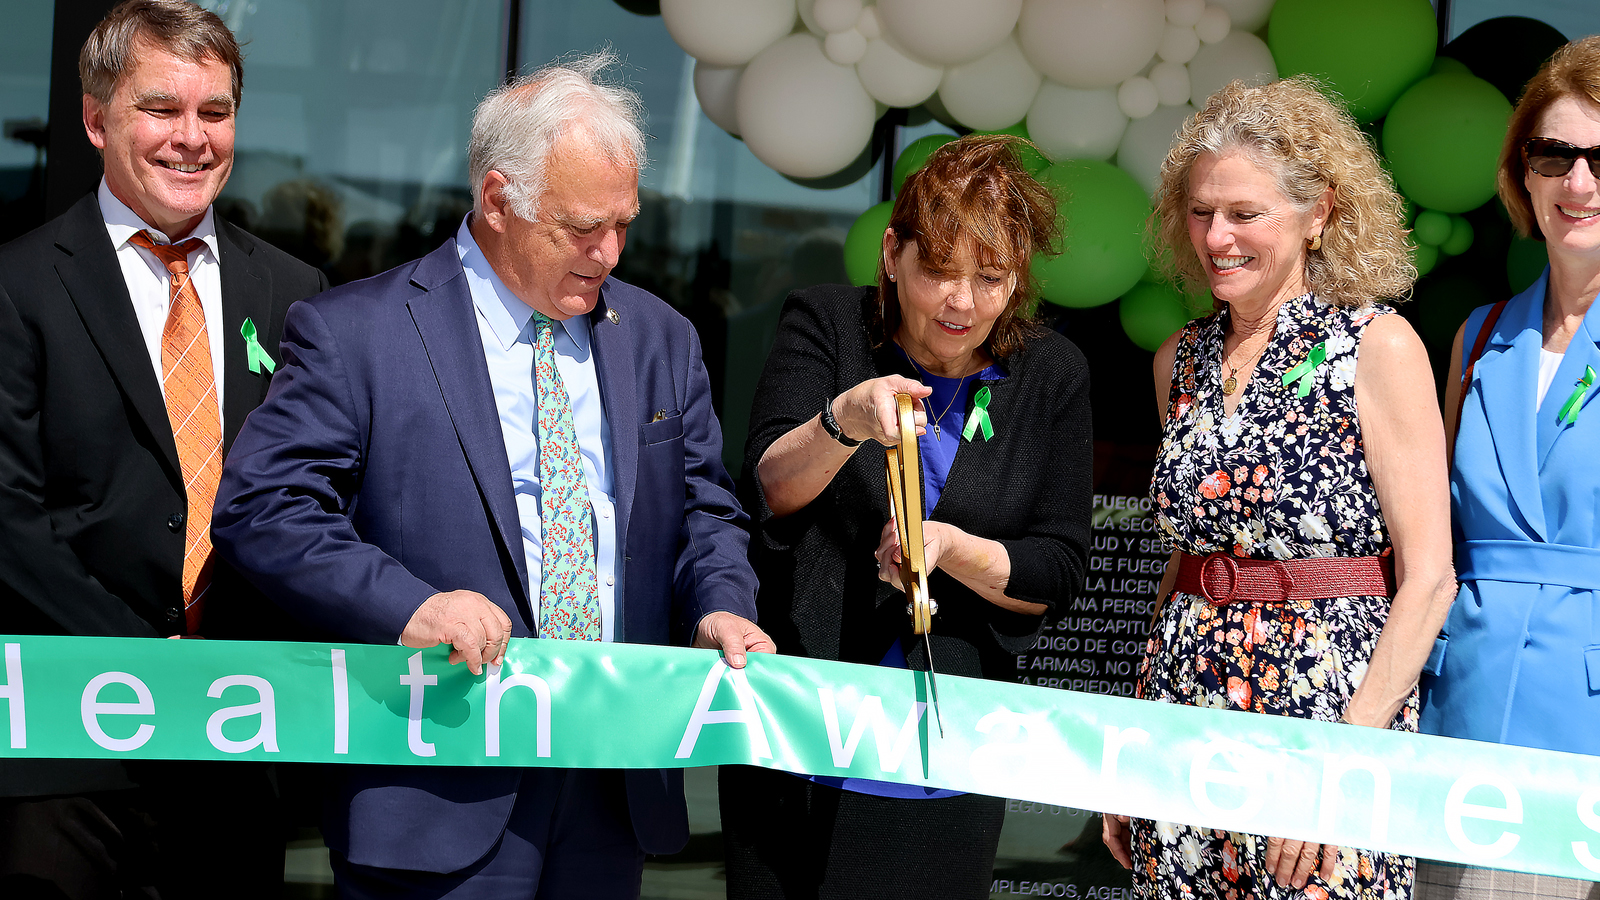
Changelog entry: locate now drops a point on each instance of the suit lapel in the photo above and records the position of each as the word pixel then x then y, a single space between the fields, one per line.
pixel 1507 380
pixel 615 364
pixel 89 271
pixel 246 294
pixel 447 323
pixel 1581 354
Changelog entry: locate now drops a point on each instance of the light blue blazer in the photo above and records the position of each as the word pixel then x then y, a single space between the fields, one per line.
pixel 1519 661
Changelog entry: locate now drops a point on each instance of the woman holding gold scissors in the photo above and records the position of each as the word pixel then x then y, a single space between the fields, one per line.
pixel 1004 439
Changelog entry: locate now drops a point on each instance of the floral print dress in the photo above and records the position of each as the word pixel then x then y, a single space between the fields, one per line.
pixel 1284 477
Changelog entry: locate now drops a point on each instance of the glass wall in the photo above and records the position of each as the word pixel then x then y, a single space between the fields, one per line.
pixel 351 147
pixel 24 109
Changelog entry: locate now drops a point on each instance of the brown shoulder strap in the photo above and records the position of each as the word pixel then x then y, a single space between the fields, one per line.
pixel 1472 358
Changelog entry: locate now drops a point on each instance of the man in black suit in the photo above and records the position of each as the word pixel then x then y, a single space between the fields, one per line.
pixel 132 335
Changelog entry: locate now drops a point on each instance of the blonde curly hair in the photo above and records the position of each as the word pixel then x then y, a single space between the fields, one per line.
pixel 1292 131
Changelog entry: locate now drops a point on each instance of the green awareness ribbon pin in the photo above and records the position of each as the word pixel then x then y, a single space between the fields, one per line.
pixel 255 354
pixel 980 418
pixel 1574 404
pixel 1306 370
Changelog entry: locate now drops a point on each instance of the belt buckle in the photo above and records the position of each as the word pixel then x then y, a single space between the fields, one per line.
pixel 1229 567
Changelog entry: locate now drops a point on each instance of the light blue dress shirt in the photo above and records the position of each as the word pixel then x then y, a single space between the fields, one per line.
pixel 505 324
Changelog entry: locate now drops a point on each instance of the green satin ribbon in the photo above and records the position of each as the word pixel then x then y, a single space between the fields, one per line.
pixel 980 416
pixel 589 704
pixel 1574 404
pixel 1307 370
pixel 255 354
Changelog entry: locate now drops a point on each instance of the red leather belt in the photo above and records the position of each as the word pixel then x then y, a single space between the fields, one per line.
pixel 1222 579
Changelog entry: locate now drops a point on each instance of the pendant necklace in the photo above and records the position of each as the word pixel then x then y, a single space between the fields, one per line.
pixel 1231 383
pixel 947 407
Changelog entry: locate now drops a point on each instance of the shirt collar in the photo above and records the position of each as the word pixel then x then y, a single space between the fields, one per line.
pixel 506 314
pixel 123 223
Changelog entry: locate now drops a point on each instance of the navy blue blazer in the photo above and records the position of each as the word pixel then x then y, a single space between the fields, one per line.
pixel 374 475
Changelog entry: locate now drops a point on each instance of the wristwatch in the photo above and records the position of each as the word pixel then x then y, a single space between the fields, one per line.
pixel 831 426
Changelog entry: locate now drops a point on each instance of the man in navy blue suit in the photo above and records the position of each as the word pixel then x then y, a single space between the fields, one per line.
pixel 390 489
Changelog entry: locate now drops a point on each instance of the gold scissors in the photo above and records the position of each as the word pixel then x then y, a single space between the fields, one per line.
pixel 904 465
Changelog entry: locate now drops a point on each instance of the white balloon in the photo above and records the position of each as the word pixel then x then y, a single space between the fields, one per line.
pixel 1179 44
pixel 1239 55
pixel 867 23
pixel 1146 142
pixel 845 47
pixel 1091 43
pixel 894 78
pixel 1247 15
pixel 1138 97
pixel 1172 83
pixel 992 92
pixel 1072 123
pixel 727 32
pixel 809 20
pixel 948 32
pixel 1214 24
pixel 1181 12
pixel 717 88
pixel 834 16
pixel 800 113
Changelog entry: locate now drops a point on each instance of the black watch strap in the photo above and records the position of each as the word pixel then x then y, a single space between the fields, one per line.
pixel 831 426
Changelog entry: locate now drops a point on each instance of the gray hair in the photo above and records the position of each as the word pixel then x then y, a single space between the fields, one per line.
pixel 518 124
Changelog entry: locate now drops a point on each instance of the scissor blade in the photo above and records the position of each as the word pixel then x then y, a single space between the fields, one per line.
pixel 933 686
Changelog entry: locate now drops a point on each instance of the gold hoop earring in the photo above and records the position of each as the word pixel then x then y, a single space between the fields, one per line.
pixel 1314 243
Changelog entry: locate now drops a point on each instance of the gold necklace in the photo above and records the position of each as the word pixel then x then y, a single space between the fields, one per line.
pixel 1231 384
pixel 947 407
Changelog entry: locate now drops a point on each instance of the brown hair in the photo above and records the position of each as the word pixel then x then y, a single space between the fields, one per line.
pixel 975 188
pixel 1574 71
pixel 1307 143
pixel 176 26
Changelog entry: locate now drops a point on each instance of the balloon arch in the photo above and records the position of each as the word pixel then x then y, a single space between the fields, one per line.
pixel 1100 86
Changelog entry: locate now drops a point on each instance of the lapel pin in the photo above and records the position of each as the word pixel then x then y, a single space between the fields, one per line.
pixel 255 355
pixel 612 315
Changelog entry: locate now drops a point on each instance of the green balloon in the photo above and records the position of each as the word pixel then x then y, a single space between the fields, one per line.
pixel 1424 257
pixel 1102 212
pixel 1442 140
pixel 1449 64
pixel 1432 227
pixel 864 244
pixel 1460 239
pixel 1525 262
pixel 1368 51
pixel 1150 313
pixel 1032 158
pixel 915 154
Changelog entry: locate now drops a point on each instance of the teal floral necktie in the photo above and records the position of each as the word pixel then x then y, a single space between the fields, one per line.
pixel 569 601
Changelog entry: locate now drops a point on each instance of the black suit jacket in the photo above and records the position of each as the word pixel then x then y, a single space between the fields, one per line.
pixel 1029 488
pixel 91 491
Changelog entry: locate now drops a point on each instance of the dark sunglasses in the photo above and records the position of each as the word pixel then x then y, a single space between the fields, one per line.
pixel 1553 159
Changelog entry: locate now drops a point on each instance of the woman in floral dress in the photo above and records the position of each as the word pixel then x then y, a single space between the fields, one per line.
pixel 1302 437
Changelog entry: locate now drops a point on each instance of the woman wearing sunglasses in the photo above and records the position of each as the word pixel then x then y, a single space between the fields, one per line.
pixel 1520 653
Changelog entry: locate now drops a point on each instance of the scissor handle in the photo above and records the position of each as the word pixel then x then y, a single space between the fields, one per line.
pixel 904 465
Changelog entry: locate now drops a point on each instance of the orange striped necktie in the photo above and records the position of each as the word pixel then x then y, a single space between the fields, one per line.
pixel 190 386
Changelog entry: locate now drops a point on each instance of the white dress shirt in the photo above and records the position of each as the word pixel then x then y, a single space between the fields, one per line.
pixel 504 324
pixel 149 283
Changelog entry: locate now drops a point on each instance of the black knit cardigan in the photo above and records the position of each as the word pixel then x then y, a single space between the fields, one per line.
pixel 1029 488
